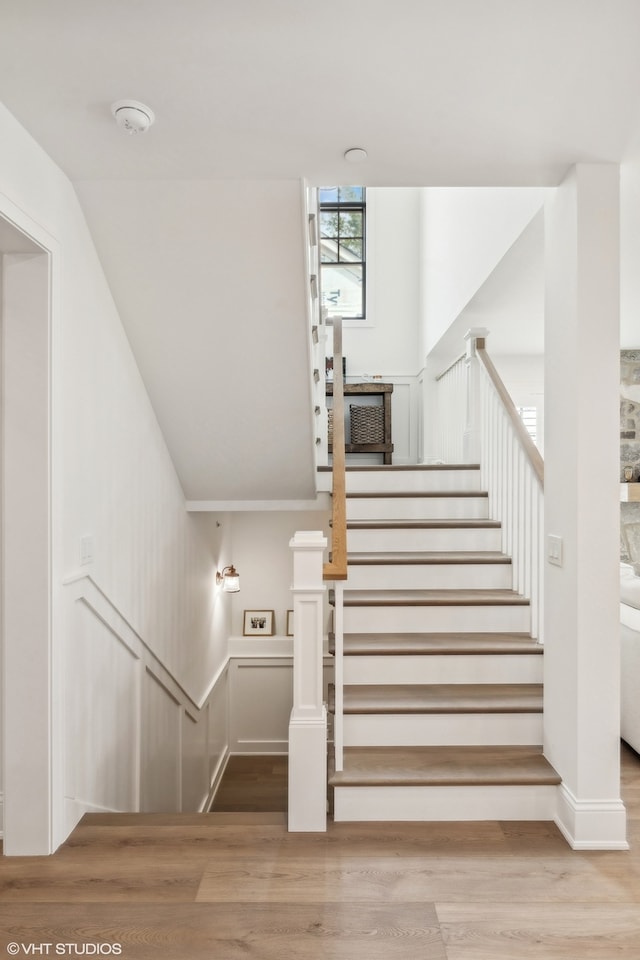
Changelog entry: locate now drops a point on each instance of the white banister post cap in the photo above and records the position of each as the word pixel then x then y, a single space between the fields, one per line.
pixel 308 540
pixel 472 336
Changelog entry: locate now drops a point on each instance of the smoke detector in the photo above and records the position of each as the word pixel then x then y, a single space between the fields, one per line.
pixel 132 115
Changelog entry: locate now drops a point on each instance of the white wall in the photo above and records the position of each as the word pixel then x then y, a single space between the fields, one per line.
pixel 260 669
pixel 264 560
pixel 465 232
pixel 28 662
pixel 630 256
pixel 386 344
pixel 114 483
pixel 208 278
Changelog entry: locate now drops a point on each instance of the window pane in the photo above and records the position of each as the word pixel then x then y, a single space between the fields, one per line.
pixel 329 223
pixel 350 224
pixel 329 250
pixel 350 194
pixel 328 194
pixel 350 249
pixel 342 289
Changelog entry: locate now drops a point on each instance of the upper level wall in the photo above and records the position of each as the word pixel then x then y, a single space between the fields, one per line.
pixel 465 233
pixel 629 255
pixel 387 342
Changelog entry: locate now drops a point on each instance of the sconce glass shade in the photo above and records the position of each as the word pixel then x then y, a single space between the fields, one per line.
pixel 229 578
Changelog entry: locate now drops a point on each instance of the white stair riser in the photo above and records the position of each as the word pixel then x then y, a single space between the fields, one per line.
pixel 408 481
pixel 418 508
pixel 441 729
pixel 437 619
pixel 445 803
pixel 412 539
pixel 435 668
pixel 430 576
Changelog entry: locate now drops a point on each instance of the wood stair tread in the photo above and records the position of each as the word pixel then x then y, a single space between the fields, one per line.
pixel 418 698
pixel 443 766
pixel 431 598
pixel 405 644
pixel 430 558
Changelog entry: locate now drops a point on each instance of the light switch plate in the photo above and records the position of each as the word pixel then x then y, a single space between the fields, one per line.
pixel 554 550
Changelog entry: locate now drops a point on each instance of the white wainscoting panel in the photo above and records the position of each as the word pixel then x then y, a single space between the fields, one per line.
pixel 134 738
pixel 160 754
pixel 102 715
pixel 195 763
pixel 261 698
pixel 404 420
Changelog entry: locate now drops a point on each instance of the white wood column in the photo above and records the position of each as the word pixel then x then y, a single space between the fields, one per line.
pixel 582 663
pixel 308 722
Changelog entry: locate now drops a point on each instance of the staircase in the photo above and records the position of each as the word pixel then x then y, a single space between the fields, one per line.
pixel 442 681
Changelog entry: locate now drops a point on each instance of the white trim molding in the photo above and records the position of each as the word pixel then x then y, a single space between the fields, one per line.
pixel 591 824
pixel 321 502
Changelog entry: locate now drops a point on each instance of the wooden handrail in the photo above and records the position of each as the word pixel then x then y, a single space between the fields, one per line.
pixel 336 568
pixel 533 454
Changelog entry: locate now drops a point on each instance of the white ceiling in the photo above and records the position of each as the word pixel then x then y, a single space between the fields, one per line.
pixel 439 92
pixel 505 92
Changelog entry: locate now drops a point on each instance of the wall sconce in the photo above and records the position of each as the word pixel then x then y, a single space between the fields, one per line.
pixel 229 578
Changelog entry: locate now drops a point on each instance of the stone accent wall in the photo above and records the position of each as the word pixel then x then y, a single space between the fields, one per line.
pixel 630 451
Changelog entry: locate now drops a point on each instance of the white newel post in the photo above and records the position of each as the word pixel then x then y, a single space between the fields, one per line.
pixel 471 439
pixel 308 723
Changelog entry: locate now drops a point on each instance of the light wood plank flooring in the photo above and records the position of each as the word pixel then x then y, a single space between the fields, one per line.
pixel 225 886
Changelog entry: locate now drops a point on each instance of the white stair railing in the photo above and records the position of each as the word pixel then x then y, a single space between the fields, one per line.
pixel 512 471
pixel 477 422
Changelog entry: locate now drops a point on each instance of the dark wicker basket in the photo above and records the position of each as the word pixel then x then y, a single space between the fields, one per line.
pixel 367 424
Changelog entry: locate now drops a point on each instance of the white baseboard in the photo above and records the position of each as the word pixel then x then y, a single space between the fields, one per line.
pixel 278 747
pixel 216 780
pixel 591 824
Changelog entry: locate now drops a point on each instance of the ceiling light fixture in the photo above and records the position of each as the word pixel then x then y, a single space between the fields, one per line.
pixel 229 578
pixel 355 155
pixel 132 116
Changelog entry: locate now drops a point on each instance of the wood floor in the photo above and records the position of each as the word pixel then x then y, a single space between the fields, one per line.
pixel 254 783
pixel 225 886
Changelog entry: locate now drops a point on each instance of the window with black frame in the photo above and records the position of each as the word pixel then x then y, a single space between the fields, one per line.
pixel 342 251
